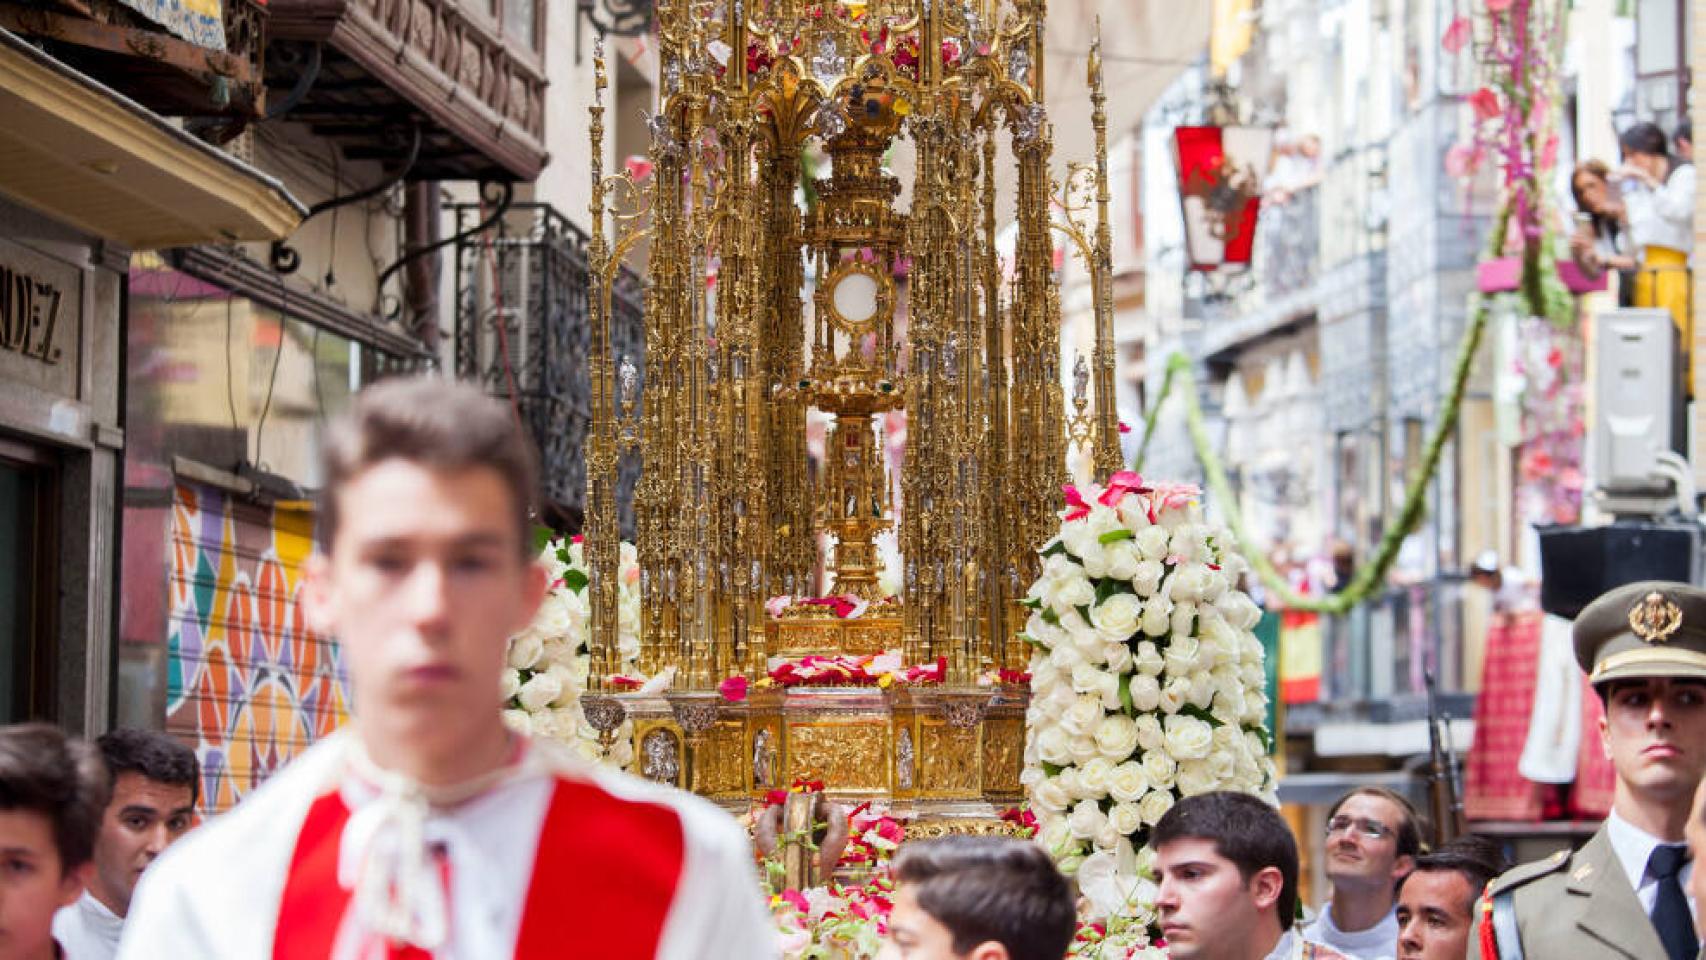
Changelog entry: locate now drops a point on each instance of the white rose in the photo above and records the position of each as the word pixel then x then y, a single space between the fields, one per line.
pixel 510 684
pixel 519 721
pixel 552 617
pixel 1084 536
pixel 1122 558
pixel 1182 657
pixel 1116 737
pixel 1118 656
pixel 1066 657
pixel 1125 818
pixel 1221 766
pixel 565 653
pixel 1157 616
pixel 1117 616
pixel 1228 705
pixel 1150 736
pixel 1187 737
pixel 1094 777
pixel 1184 617
pixel 1154 806
pixel 1056 837
pixel 1218 584
pixel 1202 689
pixel 1145 692
pixel 1086 819
pixel 1175 694
pixel 1071 594
pixel 1187 543
pixel 1146 578
pixel 1083 749
pixel 1044 676
pixel 1188 581
pixel 1053 746
pixel 1128 782
pixel 1196 777
pixel 525 649
pixel 1148 659
pixel 1152 542
pixel 1239 610
pixel 539 691
pixel 1255 708
pixel 1081 718
pixel 1217 641
pixel 1108 838
pixel 1088 679
pixel 1072 784
pixel 568 691
pixel 1160 768
pixel 1253 743
pixel 1048 796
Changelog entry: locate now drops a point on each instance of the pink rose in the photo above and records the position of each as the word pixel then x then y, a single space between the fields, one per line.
pixel 733 689
pixel 1486 104
pixel 1457 36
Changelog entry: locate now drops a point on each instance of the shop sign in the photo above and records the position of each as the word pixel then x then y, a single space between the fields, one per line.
pixel 31 308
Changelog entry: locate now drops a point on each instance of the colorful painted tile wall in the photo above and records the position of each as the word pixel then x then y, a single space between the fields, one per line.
pixel 249 686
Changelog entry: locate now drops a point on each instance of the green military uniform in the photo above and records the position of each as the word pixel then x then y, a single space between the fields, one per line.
pixel 1580 906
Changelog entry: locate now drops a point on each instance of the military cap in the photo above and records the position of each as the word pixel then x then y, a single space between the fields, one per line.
pixel 1655 628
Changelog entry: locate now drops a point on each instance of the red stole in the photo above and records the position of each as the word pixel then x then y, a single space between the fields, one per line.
pixel 603 880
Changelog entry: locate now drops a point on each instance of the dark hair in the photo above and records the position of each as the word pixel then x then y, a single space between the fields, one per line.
pixel 1246 831
pixel 437 423
pixel 43 771
pixel 157 756
pixel 1684 131
pixel 992 889
pixel 1644 137
pixel 1409 832
pixel 1477 858
pixel 1603 225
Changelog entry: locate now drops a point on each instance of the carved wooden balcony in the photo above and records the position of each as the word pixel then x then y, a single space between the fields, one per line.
pixel 179 59
pixel 467 74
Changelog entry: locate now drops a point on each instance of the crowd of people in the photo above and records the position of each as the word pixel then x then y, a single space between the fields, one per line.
pixel 428 829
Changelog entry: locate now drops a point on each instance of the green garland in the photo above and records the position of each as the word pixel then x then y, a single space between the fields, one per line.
pixel 1372 575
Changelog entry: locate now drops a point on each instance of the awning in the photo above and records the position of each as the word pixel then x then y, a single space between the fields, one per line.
pixel 75 150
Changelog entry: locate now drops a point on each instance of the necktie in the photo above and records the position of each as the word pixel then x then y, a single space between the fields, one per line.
pixel 1670 910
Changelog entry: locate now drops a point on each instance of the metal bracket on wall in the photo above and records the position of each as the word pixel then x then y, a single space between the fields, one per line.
pixel 497 195
pixel 285 260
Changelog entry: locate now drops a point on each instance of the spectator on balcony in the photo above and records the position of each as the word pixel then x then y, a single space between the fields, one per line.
pixel 1512 590
pixel 1601 239
pixel 1682 142
pixel 1659 195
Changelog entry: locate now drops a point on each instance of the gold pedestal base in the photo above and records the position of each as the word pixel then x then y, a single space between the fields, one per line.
pixel 938 754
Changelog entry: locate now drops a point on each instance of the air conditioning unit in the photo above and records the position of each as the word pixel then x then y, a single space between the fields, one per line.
pixel 1638 410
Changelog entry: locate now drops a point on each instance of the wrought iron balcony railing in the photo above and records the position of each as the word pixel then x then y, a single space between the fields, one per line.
pixel 522 332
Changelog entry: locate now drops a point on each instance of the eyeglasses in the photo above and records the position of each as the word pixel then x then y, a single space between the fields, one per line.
pixel 1366 829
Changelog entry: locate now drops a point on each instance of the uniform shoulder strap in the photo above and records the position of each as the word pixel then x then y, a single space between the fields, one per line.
pixel 1500 938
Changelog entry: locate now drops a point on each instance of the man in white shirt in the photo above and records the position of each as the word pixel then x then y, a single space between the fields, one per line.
pixel 153 800
pixel 1227 869
pixel 1372 843
pixel 1624 895
pixel 428 829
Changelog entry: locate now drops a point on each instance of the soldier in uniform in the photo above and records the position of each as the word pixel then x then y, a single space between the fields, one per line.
pixel 1622 895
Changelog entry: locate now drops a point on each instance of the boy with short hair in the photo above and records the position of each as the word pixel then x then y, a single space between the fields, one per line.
pixel 52 790
pixel 1228 881
pixel 978 898
pixel 427 828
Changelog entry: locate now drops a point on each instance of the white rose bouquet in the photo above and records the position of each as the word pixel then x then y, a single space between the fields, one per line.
pixel 1147 685
pixel 550 660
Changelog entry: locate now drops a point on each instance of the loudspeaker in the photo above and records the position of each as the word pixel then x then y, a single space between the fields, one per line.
pixel 1577 564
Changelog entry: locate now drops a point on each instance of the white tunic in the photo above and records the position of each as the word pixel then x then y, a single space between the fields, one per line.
pixel 218 893
pixel 87 930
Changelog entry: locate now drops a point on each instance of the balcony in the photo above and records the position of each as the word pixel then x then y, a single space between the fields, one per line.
pixel 163 55
pixel 1281 287
pixel 466 75
pixel 522 334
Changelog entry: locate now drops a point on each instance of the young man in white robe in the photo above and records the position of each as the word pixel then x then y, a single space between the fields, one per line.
pixel 428 829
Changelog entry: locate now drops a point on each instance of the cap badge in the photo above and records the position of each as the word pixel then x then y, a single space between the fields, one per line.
pixel 1655 618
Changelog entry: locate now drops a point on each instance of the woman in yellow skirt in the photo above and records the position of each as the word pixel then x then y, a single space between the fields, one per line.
pixel 1659 197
